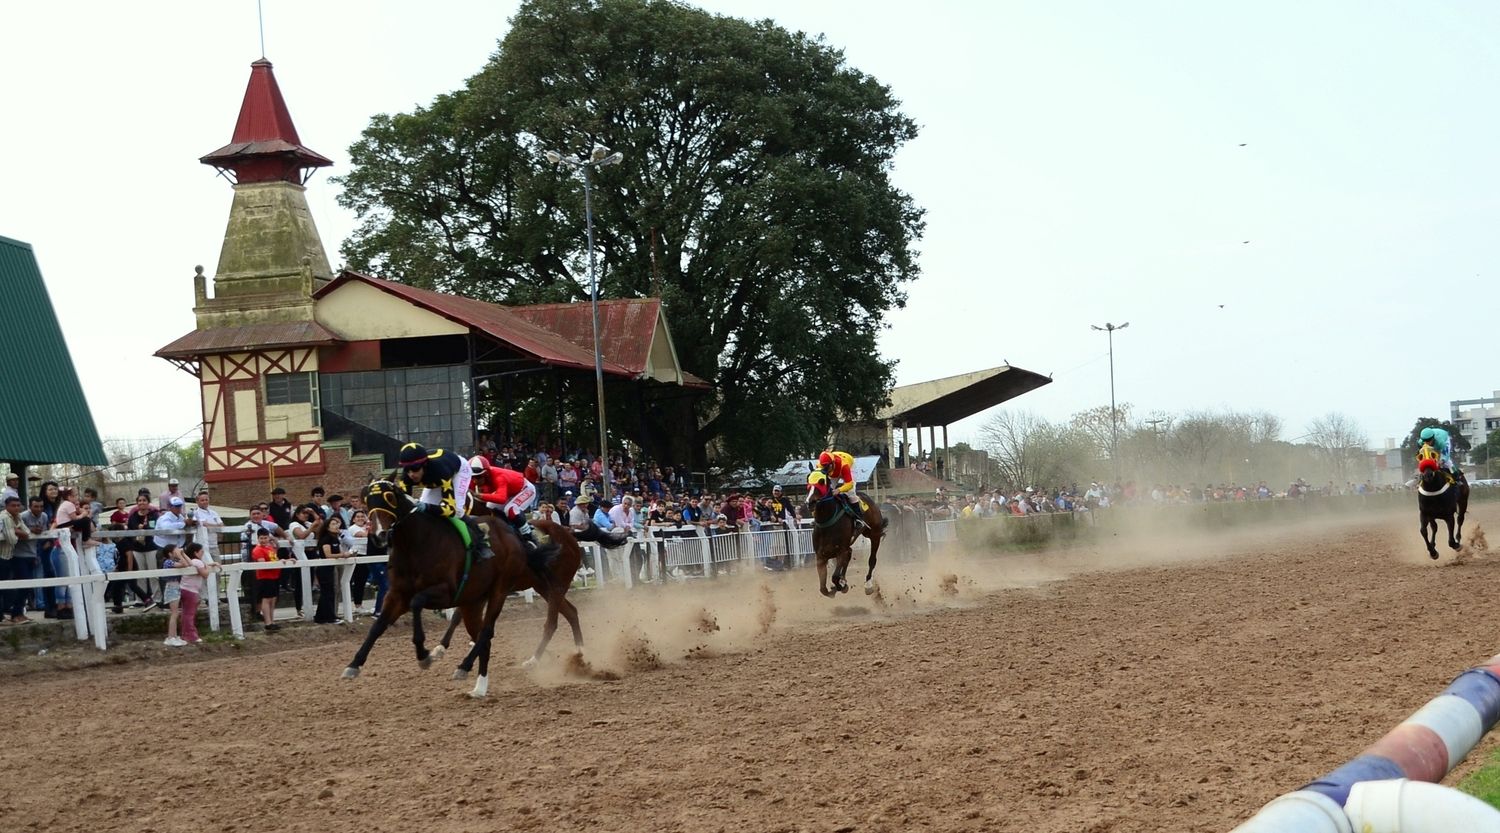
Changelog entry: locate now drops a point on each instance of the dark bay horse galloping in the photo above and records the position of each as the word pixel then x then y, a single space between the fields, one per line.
pixel 429 567
pixel 834 533
pixel 1440 497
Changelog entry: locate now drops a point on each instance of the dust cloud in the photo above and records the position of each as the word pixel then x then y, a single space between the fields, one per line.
pixel 650 626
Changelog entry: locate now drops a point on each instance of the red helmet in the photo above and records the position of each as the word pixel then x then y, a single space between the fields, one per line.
pixel 825 459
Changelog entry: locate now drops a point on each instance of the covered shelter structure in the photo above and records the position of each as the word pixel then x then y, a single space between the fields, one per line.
pixel 56 425
pixel 933 405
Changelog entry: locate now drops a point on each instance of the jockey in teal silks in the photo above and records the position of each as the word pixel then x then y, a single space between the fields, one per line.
pixel 1439 439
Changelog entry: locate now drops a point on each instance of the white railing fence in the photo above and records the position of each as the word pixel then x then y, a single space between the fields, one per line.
pixel 655 554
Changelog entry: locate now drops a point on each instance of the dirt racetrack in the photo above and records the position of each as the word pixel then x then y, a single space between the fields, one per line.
pixel 1179 689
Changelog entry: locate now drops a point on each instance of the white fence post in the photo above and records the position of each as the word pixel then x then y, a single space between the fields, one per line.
pixel 708 553
pixel 204 539
pixel 346 593
pixel 299 549
pixel 232 589
pixel 76 596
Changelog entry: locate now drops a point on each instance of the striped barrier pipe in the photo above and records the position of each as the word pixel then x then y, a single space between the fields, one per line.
pixel 1423 748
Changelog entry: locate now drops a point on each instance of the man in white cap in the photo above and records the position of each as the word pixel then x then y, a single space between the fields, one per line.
pixel 170 524
pixel 12 487
pixel 173 491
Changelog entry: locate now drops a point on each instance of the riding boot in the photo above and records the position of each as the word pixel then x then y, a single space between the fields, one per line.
pixel 480 537
pixel 531 545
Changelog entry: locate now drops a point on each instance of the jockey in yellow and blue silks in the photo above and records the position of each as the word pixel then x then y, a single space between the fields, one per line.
pixel 1440 440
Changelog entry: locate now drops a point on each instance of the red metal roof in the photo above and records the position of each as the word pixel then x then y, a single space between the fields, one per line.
pixel 265 146
pixel 250 337
pixel 626 327
pixel 500 323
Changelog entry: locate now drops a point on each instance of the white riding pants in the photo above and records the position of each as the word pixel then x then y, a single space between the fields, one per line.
pixel 519 502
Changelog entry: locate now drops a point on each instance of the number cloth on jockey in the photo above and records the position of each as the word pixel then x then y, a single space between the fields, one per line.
pixel 444 475
pixel 502 488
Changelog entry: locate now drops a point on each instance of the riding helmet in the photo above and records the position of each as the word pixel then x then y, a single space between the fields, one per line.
pixel 412 455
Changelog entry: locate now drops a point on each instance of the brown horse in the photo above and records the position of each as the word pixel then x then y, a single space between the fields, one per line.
pixel 551 584
pixel 834 533
pixel 429 568
pixel 1440 497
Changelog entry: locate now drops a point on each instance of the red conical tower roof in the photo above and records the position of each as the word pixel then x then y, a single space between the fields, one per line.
pixel 265 147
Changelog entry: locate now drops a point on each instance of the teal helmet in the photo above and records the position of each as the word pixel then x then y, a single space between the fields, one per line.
pixel 1427 434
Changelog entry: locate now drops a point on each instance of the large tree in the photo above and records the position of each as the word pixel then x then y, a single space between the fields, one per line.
pixel 755 199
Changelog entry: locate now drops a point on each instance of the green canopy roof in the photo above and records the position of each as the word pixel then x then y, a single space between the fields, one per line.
pixel 45 418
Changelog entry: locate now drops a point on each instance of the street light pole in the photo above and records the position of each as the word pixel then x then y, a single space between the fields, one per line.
pixel 598 158
pixel 1114 415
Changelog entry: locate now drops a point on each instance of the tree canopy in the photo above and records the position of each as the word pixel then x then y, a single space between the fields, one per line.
pixel 755 199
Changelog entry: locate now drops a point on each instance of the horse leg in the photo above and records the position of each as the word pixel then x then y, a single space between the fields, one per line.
pixel 823 576
pixel 418 636
pixel 870 576
pixel 453 623
pixel 570 613
pixel 392 610
pixel 472 619
pixel 547 631
pixel 839 582
pixel 1452 541
pixel 1463 509
pixel 486 637
pixel 1430 539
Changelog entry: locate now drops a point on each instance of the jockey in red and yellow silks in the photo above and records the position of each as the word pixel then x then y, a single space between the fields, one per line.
pixel 838 466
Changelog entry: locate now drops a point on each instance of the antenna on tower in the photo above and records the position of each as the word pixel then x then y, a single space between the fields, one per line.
pixel 260 16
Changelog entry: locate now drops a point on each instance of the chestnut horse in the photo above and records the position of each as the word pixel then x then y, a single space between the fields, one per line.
pixel 834 533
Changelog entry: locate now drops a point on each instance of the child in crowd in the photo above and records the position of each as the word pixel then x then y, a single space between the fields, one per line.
pixel 267 582
pixel 171 592
pixel 192 590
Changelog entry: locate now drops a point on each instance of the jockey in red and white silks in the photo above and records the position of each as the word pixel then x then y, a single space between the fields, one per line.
pixel 503 489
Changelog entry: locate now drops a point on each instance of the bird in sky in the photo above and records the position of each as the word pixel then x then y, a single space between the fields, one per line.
pixel 1244 241
pixel 1242 144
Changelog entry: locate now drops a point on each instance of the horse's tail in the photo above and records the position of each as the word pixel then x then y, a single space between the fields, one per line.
pixel 885 524
pixel 609 540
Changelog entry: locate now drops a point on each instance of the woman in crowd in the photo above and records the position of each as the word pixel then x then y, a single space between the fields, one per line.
pixel 356 541
pixel 192 590
pixel 330 545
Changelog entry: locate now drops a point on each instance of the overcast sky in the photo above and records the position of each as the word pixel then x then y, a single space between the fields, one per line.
pixel 1292 203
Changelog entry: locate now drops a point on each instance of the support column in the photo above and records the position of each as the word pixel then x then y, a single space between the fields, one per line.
pixel 905 446
pixel 562 417
pixel 890 458
pixel 921 452
pixel 932 440
pixel 947 458
pixel 507 386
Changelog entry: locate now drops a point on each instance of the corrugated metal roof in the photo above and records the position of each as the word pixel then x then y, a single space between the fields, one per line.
pixel 950 399
pixel 249 337
pixel 500 323
pixel 625 327
pixel 46 418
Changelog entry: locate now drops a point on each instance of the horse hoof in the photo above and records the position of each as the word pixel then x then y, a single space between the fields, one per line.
pixel 869 588
pixel 437 653
pixel 1433 555
pixel 425 662
pixel 481 687
pixel 825 591
pixel 531 662
pixel 350 673
pixel 460 674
